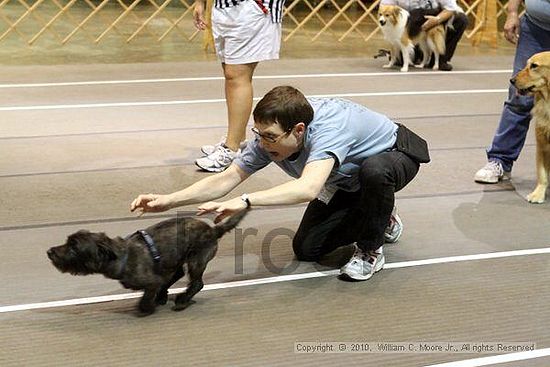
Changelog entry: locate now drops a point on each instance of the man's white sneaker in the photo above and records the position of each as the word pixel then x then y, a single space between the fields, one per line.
pixel 362 265
pixel 394 230
pixel 217 161
pixel 492 172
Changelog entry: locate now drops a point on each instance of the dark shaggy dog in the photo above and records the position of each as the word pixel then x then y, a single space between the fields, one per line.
pixel 180 241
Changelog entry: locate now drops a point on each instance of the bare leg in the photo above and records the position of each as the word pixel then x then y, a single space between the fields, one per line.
pixel 238 93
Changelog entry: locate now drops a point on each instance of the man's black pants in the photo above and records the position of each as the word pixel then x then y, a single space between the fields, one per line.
pixel 360 216
pixel 454 34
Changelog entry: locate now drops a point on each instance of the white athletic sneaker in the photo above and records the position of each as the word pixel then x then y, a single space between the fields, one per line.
pixel 217 161
pixel 492 172
pixel 209 149
pixel 394 230
pixel 362 265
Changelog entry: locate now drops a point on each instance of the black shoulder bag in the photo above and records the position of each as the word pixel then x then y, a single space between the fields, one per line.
pixel 412 145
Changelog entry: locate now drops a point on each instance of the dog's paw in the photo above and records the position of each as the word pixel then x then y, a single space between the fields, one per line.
pixel 145 308
pixel 183 305
pixel 419 66
pixel 387 66
pixel 405 68
pixel 162 298
pixel 536 197
pixel 142 312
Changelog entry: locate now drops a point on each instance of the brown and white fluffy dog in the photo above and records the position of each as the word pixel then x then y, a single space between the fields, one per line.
pixel 395 24
pixel 534 79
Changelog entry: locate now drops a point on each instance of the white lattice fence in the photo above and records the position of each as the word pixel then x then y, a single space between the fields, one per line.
pixel 155 20
pixel 95 20
pixel 339 19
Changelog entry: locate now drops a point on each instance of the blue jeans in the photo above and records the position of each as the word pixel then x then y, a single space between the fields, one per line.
pixel 514 122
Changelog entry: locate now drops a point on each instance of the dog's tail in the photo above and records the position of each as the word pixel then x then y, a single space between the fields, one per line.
pixel 437 34
pixel 231 223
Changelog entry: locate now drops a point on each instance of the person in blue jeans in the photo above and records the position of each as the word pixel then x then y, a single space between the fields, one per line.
pixel 531 33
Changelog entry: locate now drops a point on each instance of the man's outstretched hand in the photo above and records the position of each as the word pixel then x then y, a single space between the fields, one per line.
pixel 222 209
pixel 150 203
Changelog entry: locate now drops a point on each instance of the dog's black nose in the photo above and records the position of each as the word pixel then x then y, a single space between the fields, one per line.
pixel 382 22
pixel 513 81
pixel 50 253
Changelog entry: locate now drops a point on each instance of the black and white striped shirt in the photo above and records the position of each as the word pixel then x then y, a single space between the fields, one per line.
pixel 275 7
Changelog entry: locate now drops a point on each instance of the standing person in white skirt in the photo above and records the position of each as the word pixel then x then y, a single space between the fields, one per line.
pixel 245 33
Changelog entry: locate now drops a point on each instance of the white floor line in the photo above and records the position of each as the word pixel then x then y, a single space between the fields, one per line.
pixel 257 77
pixel 278 279
pixel 501 358
pixel 450 259
pixel 220 100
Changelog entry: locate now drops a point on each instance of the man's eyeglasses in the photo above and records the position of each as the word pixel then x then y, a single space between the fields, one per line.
pixel 270 138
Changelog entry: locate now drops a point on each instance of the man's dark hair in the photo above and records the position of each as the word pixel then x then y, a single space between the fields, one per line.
pixel 284 105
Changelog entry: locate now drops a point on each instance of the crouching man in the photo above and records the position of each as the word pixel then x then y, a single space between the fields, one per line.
pixel 348 162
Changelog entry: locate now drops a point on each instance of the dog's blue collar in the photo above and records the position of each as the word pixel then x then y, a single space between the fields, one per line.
pixel 150 245
pixel 153 250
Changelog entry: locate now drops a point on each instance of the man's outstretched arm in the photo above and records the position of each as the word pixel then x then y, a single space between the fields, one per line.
pixel 304 189
pixel 209 188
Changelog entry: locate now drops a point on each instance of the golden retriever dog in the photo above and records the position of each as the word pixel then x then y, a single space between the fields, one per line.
pixel 396 22
pixel 534 79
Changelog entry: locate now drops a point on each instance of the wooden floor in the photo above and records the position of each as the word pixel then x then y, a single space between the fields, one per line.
pixel 473 264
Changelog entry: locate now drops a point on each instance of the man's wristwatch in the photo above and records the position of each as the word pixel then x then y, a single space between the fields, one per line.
pixel 244 197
